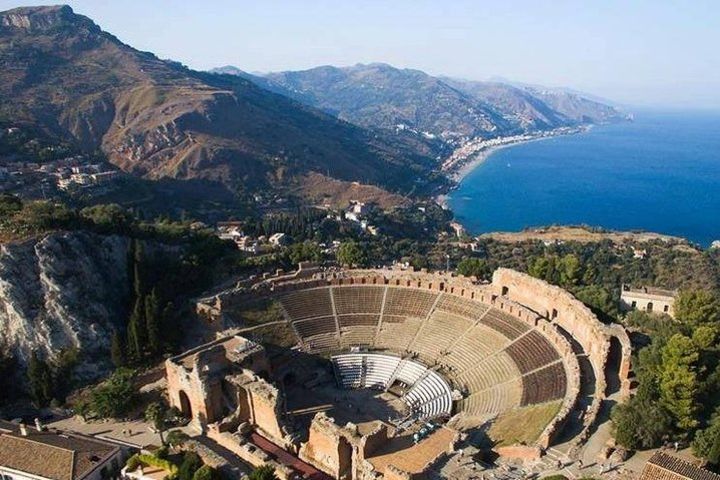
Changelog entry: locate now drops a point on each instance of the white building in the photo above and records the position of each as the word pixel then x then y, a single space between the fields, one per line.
pixel 278 239
pixel 648 299
pixel 35 454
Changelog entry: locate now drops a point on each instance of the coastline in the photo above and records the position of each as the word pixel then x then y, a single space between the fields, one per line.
pixel 463 167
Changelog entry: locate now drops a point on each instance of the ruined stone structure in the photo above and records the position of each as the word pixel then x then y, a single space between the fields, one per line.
pixel 648 299
pixel 451 350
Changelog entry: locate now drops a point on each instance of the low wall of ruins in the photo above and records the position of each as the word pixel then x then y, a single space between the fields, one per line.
pixel 248 452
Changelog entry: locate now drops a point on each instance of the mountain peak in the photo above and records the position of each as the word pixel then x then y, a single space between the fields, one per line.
pixel 38 19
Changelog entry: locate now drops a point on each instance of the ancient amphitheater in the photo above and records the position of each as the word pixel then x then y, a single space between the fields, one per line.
pixel 515 366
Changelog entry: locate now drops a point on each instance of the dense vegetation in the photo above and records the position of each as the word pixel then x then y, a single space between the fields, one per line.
pixel 678 398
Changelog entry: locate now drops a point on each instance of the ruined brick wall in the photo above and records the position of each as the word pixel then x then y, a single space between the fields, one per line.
pixel 266 413
pixel 328 447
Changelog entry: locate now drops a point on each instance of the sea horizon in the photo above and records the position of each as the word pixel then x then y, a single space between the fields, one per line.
pixel 659 173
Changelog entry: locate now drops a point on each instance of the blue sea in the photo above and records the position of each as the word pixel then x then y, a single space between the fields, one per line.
pixel 659 173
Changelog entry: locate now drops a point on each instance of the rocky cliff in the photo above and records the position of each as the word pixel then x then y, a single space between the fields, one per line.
pixel 63 290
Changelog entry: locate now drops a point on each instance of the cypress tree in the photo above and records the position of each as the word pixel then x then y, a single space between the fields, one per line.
pixel 40 379
pixel 136 333
pixel 117 350
pixel 153 321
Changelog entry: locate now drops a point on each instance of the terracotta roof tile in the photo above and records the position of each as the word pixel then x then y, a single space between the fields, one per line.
pixel 53 455
pixel 662 466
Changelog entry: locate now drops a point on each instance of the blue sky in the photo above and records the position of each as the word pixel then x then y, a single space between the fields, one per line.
pixel 663 53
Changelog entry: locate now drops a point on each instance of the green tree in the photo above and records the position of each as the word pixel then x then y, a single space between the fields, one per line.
pixel 599 299
pixel 206 472
pixel 8 378
pixel 540 267
pixel 706 443
pixel 176 438
pixel 305 251
pixel 570 270
pixel 350 254
pixel 190 464
pixel 640 423
pixel 40 380
pixel 697 306
pixel 264 472
pixel 117 350
pixel 83 408
pixel 153 321
pixel 9 205
pixel 473 267
pixel 157 413
pixel 136 331
pixel 108 218
pixel 114 397
pixel 679 382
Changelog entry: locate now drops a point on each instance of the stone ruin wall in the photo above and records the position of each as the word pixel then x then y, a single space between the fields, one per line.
pixel 203 390
pixel 330 447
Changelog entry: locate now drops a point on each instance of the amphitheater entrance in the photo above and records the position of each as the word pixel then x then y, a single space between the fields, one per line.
pixel 185 407
pixel 612 367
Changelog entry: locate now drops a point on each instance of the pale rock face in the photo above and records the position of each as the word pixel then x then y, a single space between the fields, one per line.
pixel 64 290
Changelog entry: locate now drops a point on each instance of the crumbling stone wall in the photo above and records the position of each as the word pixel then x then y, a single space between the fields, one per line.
pixel 329 447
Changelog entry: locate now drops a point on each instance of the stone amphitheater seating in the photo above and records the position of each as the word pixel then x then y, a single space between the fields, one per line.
pixel 409 302
pixel 461 307
pixel 357 336
pixel 326 342
pixel 316 326
pixel 544 385
pixel 429 396
pixel 438 333
pixel 505 324
pixel 475 345
pixel 496 369
pixel 532 351
pixel 397 336
pixel 307 303
pixel 358 320
pixel 358 299
pixel 498 360
pixel 494 400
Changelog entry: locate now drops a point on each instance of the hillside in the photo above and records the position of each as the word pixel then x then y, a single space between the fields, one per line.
pixel 382 96
pixel 59 71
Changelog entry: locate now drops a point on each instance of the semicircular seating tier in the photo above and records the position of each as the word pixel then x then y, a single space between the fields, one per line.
pixel 497 361
pixel 427 394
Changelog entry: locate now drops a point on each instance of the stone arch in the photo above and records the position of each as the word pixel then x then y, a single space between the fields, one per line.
pixel 185 406
pixel 649 307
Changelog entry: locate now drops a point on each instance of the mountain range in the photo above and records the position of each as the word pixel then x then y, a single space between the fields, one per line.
pixel 378 95
pixel 373 124
pixel 156 118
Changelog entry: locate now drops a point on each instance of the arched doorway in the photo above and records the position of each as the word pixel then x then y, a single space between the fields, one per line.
pixel 612 367
pixel 650 307
pixel 185 407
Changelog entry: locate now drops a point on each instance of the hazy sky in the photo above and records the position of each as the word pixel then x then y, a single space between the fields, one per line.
pixel 649 52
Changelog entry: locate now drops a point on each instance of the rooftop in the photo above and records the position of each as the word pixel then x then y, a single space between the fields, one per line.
pixel 662 466
pixel 53 455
